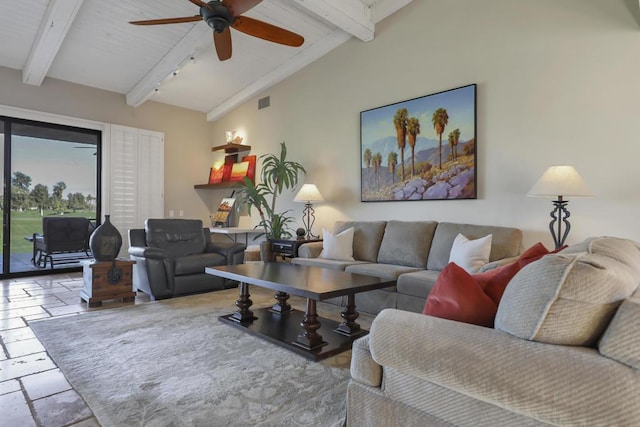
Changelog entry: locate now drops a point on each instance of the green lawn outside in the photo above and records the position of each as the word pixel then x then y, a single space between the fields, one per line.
pixel 26 223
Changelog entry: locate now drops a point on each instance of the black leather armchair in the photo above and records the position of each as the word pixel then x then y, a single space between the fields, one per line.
pixel 171 255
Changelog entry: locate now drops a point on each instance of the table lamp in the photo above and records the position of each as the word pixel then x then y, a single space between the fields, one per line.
pixel 560 181
pixel 308 193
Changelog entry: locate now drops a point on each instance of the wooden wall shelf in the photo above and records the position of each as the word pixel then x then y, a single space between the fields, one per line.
pixel 221 185
pixel 231 148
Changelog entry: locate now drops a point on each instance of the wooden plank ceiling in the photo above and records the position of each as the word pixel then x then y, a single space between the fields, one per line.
pixel 90 42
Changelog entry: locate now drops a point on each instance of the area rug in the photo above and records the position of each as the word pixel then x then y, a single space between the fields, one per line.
pixel 174 364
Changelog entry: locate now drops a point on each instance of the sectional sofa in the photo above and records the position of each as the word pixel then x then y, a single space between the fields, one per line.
pixel 412 252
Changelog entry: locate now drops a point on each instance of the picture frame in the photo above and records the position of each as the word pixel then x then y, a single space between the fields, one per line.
pixel 420 149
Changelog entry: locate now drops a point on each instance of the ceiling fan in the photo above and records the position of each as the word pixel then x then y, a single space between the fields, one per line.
pixel 222 14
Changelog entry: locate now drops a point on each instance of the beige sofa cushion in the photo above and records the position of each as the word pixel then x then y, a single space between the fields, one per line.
pixel 570 297
pixel 367 237
pixel 407 243
pixel 621 341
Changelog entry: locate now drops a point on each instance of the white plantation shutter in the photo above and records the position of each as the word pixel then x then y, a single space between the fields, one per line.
pixel 150 176
pixel 135 178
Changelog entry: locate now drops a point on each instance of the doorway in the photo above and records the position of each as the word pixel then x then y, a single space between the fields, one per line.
pixel 48 170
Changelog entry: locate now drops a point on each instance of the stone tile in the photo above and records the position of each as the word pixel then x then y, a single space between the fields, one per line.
pixel 36 316
pixel 61 409
pixel 6 324
pixel 9 386
pixel 48 291
pixel 18 334
pixel 56 303
pixel 45 384
pixel 25 365
pixel 20 312
pixel 29 302
pixel 68 309
pixel 15 410
pixel 91 422
pixel 3 354
pixel 24 347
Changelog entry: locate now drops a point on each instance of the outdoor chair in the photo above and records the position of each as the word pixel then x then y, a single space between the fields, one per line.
pixel 63 241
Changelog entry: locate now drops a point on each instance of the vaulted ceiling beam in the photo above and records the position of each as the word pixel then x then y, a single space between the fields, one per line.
pixel 146 87
pixel 351 16
pixel 53 29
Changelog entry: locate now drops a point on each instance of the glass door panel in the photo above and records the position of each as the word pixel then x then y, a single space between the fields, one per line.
pixel 54 173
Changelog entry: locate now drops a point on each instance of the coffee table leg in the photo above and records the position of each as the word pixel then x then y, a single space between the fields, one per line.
pixel 310 340
pixel 349 327
pixel 282 306
pixel 243 303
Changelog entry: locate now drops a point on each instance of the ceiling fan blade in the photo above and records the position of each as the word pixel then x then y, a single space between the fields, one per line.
pixel 238 7
pixel 269 32
pixel 222 41
pixel 200 3
pixel 168 20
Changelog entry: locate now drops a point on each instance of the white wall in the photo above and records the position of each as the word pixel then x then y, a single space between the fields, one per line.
pixel 558 83
pixel 187 133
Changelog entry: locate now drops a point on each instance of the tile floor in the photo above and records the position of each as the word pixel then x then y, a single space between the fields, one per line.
pixel 33 391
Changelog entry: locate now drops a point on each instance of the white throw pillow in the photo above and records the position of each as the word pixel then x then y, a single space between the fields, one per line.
pixel 471 254
pixel 339 247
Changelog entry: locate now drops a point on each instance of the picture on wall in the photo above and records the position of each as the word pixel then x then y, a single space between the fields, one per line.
pixel 420 149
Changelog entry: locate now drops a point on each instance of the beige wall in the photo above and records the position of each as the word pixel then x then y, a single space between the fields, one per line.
pixel 187 133
pixel 558 82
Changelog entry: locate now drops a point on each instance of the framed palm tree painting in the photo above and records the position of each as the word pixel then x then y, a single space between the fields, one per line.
pixel 420 149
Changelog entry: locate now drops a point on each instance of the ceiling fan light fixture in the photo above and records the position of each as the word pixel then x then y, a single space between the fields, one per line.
pixel 217 16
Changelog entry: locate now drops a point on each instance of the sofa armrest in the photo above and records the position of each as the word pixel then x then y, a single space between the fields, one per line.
pixel 552 383
pixel 363 368
pixel 498 263
pixel 233 252
pixel 147 252
pixel 310 250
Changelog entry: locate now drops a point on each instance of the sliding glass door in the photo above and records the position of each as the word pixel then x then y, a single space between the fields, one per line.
pixel 53 171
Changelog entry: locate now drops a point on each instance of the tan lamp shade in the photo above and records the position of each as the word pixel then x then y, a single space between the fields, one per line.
pixel 560 181
pixel 308 193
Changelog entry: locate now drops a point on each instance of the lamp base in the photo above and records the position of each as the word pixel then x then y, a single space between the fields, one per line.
pixel 560 216
pixel 308 218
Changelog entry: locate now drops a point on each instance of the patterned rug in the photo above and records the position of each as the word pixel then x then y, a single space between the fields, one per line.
pixel 172 363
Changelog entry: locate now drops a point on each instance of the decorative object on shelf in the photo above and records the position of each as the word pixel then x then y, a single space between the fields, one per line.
pixel 215 173
pixel 229 135
pixel 251 171
pixel 277 174
pixel 436 170
pixel 224 215
pixel 105 241
pixel 308 194
pixel 560 181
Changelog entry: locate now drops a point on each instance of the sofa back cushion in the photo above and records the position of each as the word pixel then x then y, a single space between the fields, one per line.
pixel 407 243
pixel 569 298
pixel 177 237
pixel 505 242
pixel 367 236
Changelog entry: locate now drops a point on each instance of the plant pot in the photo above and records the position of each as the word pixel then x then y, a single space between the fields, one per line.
pixel 266 254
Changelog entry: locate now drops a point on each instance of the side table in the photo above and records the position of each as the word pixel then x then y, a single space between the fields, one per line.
pixel 289 248
pixel 107 280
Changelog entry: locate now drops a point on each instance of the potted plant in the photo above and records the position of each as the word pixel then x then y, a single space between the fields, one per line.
pixel 277 174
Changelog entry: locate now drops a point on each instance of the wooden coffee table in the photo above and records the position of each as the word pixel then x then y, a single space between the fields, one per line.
pixel 290 328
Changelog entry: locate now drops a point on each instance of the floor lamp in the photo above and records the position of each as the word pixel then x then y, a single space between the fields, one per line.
pixel 560 182
pixel 308 193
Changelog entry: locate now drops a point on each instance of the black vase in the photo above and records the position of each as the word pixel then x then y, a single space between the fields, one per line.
pixel 105 241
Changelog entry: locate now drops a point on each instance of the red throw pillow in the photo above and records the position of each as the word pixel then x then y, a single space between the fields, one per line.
pixel 474 298
pixel 494 287
pixel 457 296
